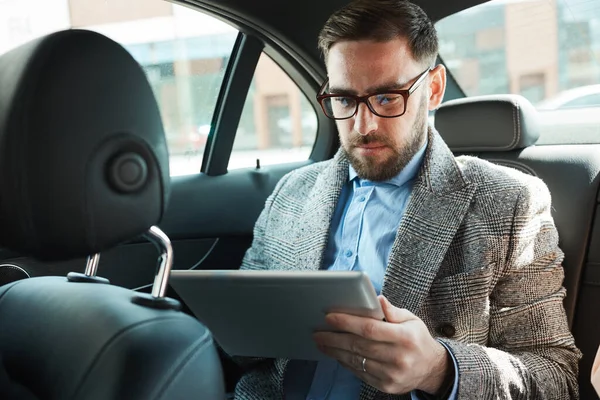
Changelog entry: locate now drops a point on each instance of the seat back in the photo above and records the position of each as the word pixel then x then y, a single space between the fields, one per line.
pixel 84 167
pixel 78 340
pixel 504 129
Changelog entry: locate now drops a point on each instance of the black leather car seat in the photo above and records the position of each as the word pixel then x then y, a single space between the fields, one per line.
pixel 84 167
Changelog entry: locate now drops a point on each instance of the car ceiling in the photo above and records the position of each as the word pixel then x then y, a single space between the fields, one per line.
pixel 294 25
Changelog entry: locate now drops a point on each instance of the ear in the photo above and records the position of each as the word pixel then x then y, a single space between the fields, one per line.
pixel 437 86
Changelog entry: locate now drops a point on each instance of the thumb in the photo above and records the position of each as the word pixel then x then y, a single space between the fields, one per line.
pixel 394 314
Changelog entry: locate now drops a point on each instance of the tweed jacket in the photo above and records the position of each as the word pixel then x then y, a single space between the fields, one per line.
pixel 476 257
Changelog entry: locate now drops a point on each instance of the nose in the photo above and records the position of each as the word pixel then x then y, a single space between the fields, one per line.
pixel 365 122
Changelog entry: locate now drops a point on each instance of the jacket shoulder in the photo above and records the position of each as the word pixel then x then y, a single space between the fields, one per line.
pixel 492 178
pixel 304 178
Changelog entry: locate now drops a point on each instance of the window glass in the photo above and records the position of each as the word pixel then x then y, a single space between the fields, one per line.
pixel 278 123
pixel 546 51
pixel 183 52
pixel 592 100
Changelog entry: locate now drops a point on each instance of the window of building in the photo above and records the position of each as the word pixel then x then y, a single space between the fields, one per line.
pixel 559 40
pixel 533 87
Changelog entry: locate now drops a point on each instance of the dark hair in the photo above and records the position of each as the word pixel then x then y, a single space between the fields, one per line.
pixel 381 21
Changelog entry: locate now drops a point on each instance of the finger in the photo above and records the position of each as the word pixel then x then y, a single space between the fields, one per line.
pixel 365 327
pixel 394 314
pixel 380 351
pixel 381 371
pixel 352 361
pixel 375 374
pixel 342 341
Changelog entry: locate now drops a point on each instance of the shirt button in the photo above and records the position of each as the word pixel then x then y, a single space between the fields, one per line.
pixel 348 253
pixel 361 199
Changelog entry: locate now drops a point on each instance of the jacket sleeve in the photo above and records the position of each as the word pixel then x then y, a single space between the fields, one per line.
pixel 255 259
pixel 531 353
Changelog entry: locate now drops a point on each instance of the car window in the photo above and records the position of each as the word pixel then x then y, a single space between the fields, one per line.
pixel 183 52
pixel 592 100
pixel 546 51
pixel 278 124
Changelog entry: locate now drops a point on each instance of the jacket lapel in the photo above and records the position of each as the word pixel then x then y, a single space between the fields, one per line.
pixel 437 206
pixel 318 211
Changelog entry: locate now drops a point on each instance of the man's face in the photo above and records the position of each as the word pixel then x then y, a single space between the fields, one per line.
pixel 379 148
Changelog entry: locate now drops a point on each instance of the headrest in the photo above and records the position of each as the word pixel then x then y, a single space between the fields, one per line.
pixel 488 123
pixel 83 155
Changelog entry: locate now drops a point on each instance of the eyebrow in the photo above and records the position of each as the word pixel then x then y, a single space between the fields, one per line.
pixel 373 89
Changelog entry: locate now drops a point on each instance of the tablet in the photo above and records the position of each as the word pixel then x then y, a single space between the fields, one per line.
pixel 273 314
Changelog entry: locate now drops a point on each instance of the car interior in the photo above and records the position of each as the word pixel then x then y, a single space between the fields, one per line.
pixel 79 336
pixel 142 137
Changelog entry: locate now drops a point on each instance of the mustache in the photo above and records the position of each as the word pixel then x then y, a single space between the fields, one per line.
pixel 358 140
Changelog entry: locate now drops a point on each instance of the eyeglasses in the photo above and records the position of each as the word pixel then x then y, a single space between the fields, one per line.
pixel 388 104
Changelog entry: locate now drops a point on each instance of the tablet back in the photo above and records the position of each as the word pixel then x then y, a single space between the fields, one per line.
pixel 273 313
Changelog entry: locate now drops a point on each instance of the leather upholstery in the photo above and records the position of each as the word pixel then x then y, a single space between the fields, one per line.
pixel 488 123
pixel 71 103
pixel 83 167
pixel 65 340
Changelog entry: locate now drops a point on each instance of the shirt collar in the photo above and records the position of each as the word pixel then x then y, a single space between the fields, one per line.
pixel 406 174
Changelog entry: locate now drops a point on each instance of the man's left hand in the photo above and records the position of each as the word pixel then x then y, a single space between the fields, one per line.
pixel 400 353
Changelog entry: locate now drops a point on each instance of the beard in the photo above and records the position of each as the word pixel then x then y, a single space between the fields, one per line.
pixel 376 170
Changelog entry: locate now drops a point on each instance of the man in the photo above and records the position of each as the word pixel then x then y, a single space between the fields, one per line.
pixel 464 253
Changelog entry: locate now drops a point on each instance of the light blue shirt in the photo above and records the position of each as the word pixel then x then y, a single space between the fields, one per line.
pixel 363 229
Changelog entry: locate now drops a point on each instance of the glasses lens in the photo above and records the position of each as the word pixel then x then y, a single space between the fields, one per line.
pixel 388 104
pixel 339 107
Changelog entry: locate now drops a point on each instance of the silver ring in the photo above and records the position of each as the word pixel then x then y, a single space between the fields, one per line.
pixel 363 364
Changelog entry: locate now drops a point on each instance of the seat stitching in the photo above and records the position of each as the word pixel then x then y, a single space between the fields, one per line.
pixel 15 283
pixel 186 359
pixel 516 127
pixel 517 124
pixel 107 345
pixel 516 164
pixel 7 290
